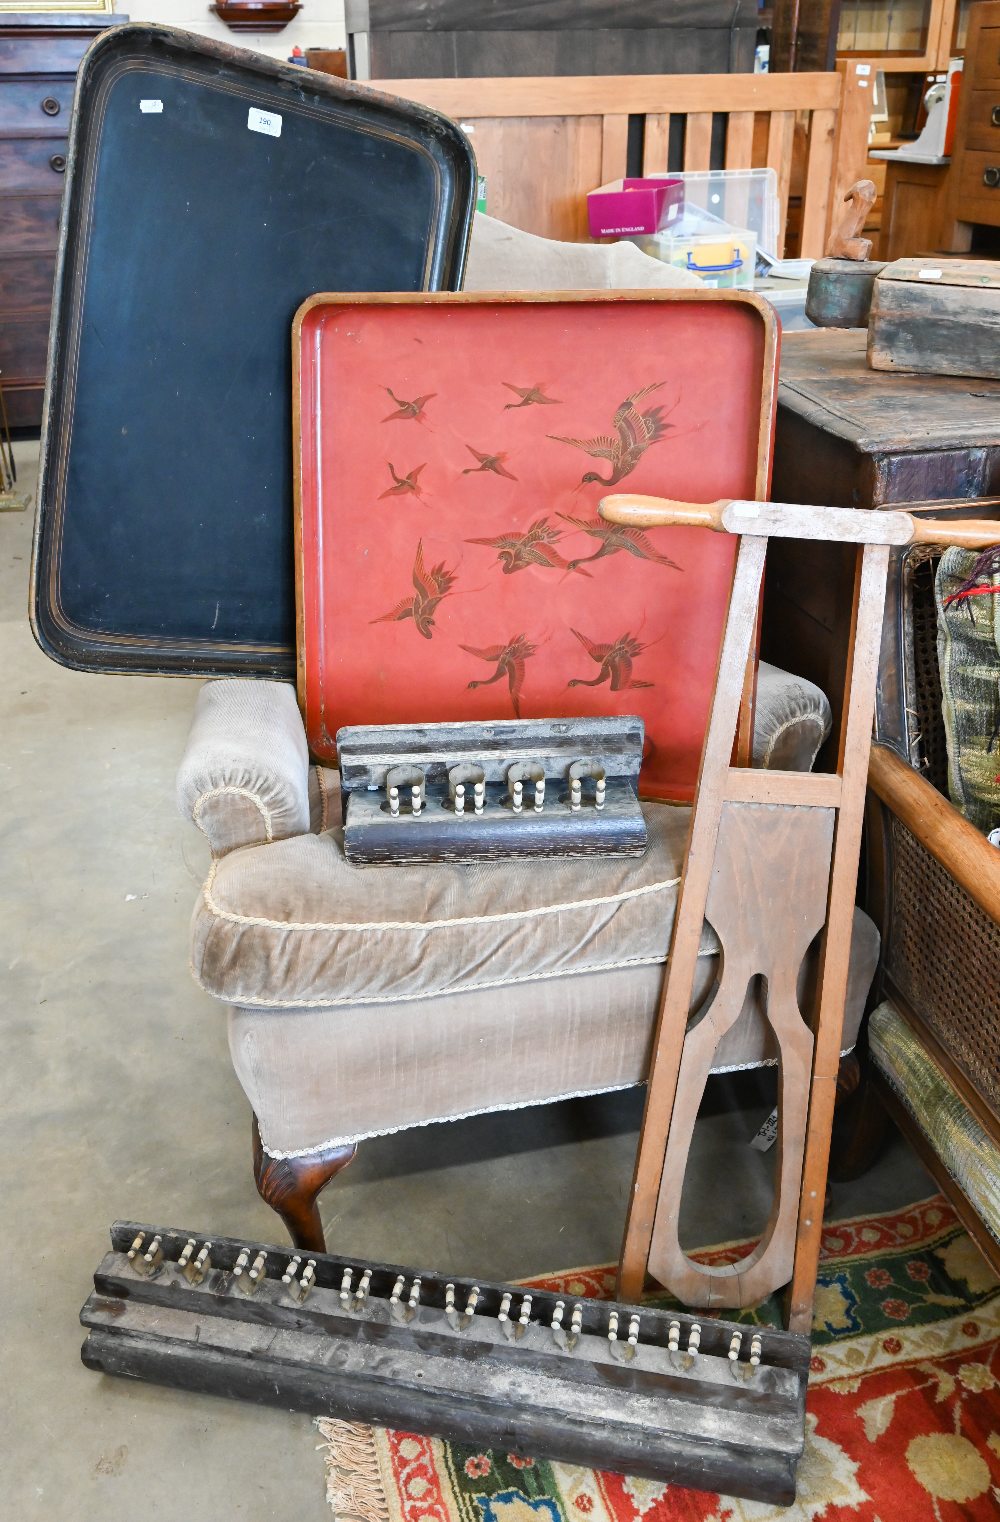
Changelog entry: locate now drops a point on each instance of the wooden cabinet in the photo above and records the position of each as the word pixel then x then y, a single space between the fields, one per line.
pixel 974 173
pixel 903 35
pixel 39 57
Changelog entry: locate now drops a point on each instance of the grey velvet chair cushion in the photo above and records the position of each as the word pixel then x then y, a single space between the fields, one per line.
pixel 371 999
pixel 320 1076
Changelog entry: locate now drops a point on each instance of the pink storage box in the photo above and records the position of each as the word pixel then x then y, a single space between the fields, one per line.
pixel 628 207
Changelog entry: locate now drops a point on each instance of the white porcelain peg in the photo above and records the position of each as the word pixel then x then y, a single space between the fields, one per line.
pixel 674 1337
pixel 345 1286
pixel 694 1338
pixel 307 1278
pixel 479 795
pixel 417 798
pixel 575 794
pixel 517 797
pixel 149 1261
pixel 539 795
pixel 459 797
pixel 735 1343
pixel 600 793
pixel 394 802
pixel 755 1351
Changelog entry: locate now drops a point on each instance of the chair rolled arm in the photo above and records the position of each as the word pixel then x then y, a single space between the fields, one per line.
pixel 244 775
pixel 793 718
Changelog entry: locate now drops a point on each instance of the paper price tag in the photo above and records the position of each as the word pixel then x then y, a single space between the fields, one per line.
pixel 767 1135
pixel 930 274
pixel 150 107
pixel 268 122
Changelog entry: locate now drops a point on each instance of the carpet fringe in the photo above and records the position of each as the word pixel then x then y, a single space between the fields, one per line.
pixel 354 1486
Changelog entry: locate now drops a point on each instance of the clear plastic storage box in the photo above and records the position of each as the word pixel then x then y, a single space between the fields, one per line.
pixel 742 197
pixel 720 255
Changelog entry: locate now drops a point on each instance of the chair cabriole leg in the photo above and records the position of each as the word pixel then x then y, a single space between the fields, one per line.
pixel 292 1185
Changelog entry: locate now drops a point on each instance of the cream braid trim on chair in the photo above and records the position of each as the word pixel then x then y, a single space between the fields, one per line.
pixel 421 925
pixel 240 792
pixel 461 988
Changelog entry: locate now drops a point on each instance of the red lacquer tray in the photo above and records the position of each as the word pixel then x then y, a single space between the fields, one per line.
pixel 450 455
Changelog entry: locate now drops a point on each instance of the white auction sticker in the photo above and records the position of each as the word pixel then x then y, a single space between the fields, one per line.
pixel 767 1135
pixel 930 274
pixel 149 106
pixel 268 122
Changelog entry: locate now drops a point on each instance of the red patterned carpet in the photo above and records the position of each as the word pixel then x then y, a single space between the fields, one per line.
pixel 903 1413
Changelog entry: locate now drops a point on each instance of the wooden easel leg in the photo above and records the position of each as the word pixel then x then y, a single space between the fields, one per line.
pixel 741 621
pixel 855 745
pixel 292 1185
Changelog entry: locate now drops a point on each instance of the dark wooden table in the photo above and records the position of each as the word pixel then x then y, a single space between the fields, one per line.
pixel 848 436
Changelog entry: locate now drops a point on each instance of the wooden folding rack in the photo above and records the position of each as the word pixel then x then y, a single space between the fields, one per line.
pixel 772 860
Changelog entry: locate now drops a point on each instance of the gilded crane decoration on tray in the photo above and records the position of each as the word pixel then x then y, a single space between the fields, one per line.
pixel 510 662
pixel 493 463
pixel 531 396
pixel 612 537
pixel 408 411
pixel 615 660
pixel 536 546
pixel 408 485
pixel 635 431
pixel 431 587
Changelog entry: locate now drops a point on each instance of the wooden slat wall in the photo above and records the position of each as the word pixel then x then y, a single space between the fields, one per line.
pixel 543 143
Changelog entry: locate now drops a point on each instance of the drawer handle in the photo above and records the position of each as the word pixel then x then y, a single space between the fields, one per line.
pixel 58 163
pixel 991 176
pixel 51 106
pixel 995 116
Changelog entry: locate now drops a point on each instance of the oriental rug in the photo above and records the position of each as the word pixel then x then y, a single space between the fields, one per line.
pixel 903 1414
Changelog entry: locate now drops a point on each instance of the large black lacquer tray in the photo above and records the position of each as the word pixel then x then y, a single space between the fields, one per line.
pixel 209 191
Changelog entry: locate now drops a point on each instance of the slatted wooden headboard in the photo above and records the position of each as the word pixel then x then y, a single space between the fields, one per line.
pixel 543 143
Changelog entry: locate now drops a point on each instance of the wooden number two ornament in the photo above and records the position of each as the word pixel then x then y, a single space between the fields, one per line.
pixel 772 859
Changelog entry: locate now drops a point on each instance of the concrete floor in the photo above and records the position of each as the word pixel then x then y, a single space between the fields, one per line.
pixel 119 1100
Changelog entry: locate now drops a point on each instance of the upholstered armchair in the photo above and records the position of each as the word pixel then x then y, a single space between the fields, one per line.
pixel 364 1000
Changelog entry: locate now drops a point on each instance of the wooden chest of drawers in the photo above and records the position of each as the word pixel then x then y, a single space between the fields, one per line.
pixel 974 176
pixel 39 57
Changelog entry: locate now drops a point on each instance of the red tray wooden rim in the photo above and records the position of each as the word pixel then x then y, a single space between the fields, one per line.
pixel 361 657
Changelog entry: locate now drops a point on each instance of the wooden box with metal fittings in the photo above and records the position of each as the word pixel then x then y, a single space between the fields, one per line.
pixel 654 1393
pixel 514 787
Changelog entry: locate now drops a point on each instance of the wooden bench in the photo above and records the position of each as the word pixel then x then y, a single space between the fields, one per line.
pixel 544 143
